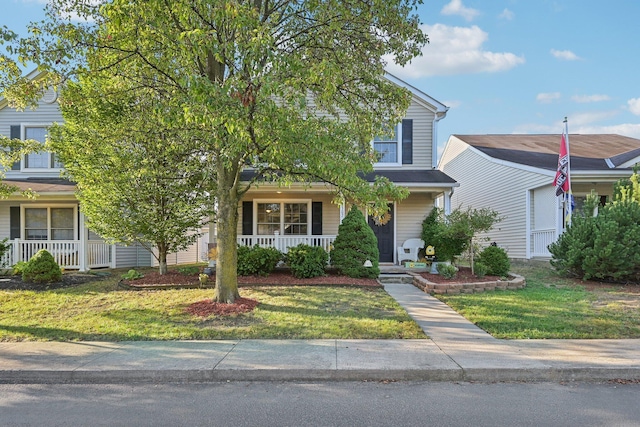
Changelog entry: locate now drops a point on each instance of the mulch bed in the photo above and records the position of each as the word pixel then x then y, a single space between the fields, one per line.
pixel 209 307
pixel 8 282
pixel 175 279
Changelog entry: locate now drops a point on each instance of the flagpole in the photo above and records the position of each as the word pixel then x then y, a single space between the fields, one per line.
pixel 568 195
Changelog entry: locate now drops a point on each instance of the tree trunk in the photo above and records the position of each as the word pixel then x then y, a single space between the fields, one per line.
pixel 162 259
pixel 227 259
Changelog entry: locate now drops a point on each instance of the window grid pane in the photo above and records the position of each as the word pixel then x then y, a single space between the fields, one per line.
pixel 35 224
pixel 61 223
pixel 268 218
pixel 295 218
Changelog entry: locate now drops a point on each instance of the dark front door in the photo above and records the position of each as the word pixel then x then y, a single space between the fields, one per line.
pixel 384 233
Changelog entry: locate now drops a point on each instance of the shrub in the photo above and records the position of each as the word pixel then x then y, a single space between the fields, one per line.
pixel 480 270
pixel 189 271
pixel 307 261
pixel 355 244
pixel 132 275
pixel 257 260
pixel 496 261
pixel 42 268
pixel 18 268
pixel 448 271
pixel 606 247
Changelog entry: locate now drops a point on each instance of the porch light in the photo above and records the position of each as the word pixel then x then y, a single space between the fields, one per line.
pixel 367 263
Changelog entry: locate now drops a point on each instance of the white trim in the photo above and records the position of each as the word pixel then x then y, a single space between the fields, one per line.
pixel 398 162
pixel 23 136
pixel 281 202
pixel 609 163
pixel 23 218
pixel 527 227
pixel 427 101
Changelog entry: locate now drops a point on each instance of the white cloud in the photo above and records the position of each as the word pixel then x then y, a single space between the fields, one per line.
pixel 631 130
pixel 506 14
pixel 455 50
pixel 583 99
pixel 548 97
pixel 578 120
pixel 566 55
pixel 634 106
pixel 455 7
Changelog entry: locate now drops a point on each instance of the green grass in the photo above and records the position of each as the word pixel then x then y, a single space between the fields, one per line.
pixel 551 307
pixel 102 311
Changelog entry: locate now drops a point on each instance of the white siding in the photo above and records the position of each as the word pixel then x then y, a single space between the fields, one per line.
pixel 503 188
pixel 544 208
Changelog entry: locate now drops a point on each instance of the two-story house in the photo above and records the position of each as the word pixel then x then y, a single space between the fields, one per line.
pixel 273 216
pixel 270 215
pixel 54 219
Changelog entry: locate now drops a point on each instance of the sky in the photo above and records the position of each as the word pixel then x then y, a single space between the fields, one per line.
pixel 511 66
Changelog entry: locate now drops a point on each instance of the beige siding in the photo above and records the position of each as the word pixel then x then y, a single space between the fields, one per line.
pixel 484 183
pixel 4 218
pixel 409 216
pixel 422 135
pixel 330 211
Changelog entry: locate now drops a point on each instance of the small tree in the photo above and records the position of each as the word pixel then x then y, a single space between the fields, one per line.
pixel 354 245
pixel 452 234
pixel 42 268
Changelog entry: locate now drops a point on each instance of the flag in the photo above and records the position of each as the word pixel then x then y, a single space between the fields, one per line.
pixel 561 181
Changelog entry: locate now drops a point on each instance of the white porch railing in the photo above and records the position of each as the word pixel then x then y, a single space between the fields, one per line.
pixel 65 252
pixel 541 240
pixel 283 243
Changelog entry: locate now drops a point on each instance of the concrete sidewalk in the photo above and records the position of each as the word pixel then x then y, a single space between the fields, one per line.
pixel 455 351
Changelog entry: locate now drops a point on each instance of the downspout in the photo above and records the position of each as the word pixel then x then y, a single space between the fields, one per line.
pixel 447 202
pixel 434 137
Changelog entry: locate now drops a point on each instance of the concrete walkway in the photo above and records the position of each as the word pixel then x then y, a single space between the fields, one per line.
pixel 455 351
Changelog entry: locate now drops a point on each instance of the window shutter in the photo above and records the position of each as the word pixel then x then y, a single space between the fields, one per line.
pixel 407 141
pixel 14 222
pixel 247 218
pixel 316 218
pixel 15 134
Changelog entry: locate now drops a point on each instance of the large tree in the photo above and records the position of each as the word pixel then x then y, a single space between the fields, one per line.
pixel 295 89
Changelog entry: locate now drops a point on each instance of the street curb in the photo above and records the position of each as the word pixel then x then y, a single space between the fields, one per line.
pixel 211 376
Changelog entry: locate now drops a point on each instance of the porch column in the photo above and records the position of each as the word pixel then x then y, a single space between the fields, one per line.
pixel 447 202
pixel 113 256
pixel 343 209
pixel 83 245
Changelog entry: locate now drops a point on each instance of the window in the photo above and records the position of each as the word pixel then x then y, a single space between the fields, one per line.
pixel 41 160
pixel 288 218
pixel 49 223
pixel 387 146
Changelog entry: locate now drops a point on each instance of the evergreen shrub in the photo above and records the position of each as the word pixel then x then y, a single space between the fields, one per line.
pixel 496 261
pixel 606 247
pixel 257 260
pixel 480 270
pixel 448 271
pixel 355 244
pixel 42 268
pixel 307 261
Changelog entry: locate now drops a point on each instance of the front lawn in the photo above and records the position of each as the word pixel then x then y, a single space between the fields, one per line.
pixel 553 307
pixel 103 311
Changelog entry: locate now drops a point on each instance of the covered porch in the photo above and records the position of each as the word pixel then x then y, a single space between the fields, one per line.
pixel 69 254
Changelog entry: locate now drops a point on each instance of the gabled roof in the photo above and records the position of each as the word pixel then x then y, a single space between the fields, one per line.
pixel 435 105
pixel 33 75
pixel 588 152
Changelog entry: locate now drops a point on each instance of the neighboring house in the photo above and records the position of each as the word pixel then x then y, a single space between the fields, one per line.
pixel 514 174
pixel 279 217
pixel 54 220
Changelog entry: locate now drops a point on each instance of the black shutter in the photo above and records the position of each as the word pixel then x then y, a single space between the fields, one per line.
pixel 14 222
pixel 407 141
pixel 316 218
pixel 15 134
pixel 247 218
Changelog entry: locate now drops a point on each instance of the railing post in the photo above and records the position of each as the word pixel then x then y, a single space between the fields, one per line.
pixel 16 251
pixel 82 246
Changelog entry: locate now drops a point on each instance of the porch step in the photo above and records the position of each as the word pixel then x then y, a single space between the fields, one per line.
pixel 395 278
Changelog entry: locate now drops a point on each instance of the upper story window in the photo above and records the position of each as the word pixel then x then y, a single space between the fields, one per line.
pixel 43 159
pixel 388 147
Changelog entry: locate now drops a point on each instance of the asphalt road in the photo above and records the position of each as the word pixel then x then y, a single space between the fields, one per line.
pixel 322 404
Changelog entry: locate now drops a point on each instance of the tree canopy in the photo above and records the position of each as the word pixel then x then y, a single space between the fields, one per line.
pixel 293 89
